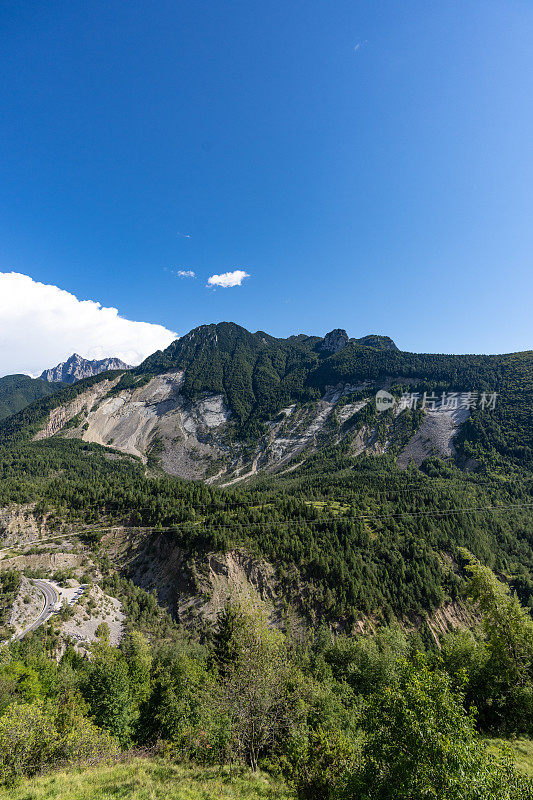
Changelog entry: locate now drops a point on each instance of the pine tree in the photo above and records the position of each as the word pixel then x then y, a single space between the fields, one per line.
pixel 226 641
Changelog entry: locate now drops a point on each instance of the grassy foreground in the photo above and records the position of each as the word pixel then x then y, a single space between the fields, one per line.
pixel 521 750
pixel 148 779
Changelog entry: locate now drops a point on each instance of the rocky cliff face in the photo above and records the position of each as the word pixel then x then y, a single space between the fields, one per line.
pixel 334 341
pixel 198 438
pixel 221 404
pixel 337 339
pixel 76 368
pixel 194 587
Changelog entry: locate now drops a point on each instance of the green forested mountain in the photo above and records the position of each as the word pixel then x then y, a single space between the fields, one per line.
pixel 363 536
pixel 325 713
pixel 22 425
pixel 347 539
pixel 257 375
pixel 18 391
pixel 260 374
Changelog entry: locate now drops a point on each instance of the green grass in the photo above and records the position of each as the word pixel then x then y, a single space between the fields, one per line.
pixel 335 507
pixel 149 779
pixel 521 749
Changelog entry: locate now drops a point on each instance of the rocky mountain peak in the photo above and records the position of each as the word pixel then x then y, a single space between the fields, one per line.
pixel 76 367
pixel 334 341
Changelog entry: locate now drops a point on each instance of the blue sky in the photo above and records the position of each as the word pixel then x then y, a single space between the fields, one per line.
pixel 368 163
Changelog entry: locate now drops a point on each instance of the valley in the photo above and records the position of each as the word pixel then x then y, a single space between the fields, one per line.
pixel 311 483
pixel 266 401
pixel 235 533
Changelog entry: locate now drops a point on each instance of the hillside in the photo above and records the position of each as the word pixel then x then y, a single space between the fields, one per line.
pixel 269 613
pixel 18 391
pixel 222 404
pixel 326 505
pixel 323 712
pixel 164 780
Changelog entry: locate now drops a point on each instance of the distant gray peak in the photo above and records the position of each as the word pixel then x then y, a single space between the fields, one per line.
pixel 76 367
pixel 334 341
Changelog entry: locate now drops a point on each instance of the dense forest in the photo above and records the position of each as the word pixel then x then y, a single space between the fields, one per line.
pixel 326 713
pixel 18 391
pixel 363 536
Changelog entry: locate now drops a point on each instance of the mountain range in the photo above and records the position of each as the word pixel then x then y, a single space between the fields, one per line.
pixel 222 404
pixel 306 490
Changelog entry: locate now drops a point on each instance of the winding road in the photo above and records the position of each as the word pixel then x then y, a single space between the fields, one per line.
pixel 50 598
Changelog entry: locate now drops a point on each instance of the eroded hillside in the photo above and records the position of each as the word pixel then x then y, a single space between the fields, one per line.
pixel 222 404
pixel 199 438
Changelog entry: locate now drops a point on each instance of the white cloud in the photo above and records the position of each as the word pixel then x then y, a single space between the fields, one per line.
pixel 227 279
pixel 186 273
pixel 41 325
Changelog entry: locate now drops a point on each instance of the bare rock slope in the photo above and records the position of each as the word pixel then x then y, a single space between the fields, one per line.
pixel 435 435
pixel 154 420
